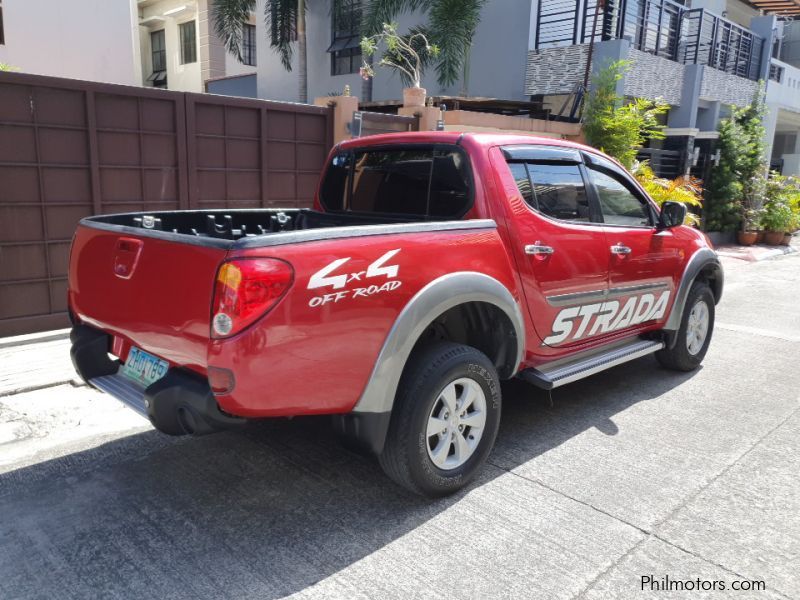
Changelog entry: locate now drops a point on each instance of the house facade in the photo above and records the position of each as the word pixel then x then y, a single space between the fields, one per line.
pixel 58 41
pixel 701 56
pixel 177 48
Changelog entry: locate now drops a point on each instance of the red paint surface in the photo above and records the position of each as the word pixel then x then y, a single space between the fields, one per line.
pixel 302 359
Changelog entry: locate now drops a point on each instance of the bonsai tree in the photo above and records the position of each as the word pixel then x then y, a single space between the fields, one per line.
pixel 406 55
pixel 451 26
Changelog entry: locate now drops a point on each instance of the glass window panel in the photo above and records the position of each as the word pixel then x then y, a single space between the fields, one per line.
pixel 559 191
pixel 618 204
pixel 188 42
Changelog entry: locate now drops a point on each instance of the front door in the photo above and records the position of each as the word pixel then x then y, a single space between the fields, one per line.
pixel 558 242
pixel 643 261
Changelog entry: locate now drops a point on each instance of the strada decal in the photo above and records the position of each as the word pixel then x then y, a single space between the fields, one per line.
pixel 378 268
pixel 578 322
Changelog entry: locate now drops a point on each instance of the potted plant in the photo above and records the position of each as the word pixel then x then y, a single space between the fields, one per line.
pixel 748 234
pixel 777 217
pixel 777 220
pixel 407 55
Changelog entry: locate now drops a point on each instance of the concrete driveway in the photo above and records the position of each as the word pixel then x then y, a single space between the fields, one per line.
pixel 636 472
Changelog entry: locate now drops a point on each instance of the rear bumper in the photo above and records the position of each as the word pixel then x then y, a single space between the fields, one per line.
pixel 180 403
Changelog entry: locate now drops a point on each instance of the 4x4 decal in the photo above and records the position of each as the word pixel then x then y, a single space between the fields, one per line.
pixel 378 268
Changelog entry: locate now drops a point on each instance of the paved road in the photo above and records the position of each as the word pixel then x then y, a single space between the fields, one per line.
pixel 635 472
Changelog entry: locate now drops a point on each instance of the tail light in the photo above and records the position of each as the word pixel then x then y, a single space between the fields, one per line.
pixel 245 290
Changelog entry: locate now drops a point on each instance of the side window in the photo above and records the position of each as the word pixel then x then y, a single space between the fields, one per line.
pixel 520 173
pixel 618 204
pixel 559 192
pixel 421 181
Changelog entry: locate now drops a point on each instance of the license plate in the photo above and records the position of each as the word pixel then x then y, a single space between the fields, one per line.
pixel 143 367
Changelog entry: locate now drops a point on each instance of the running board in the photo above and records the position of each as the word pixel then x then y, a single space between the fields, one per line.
pixel 123 389
pixel 552 377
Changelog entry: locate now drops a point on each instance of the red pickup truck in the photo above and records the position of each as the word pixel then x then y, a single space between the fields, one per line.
pixel 432 266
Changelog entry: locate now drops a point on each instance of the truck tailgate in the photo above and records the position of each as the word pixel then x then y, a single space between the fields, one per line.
pixel 153 293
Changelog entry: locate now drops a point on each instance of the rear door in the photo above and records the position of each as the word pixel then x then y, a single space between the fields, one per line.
pixel 643 261
pixel 558 241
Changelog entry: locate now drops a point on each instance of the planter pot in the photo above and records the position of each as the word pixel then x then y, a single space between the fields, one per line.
pixel 760 238
pixel 719 238
pixel 746 238
pixel 787 239
pixel 773 238
pixel 414 96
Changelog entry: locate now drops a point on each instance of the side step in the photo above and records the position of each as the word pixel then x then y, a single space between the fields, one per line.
pixel 559 374
pixel 123 389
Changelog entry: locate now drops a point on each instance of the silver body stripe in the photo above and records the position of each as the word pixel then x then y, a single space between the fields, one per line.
pixel 601 295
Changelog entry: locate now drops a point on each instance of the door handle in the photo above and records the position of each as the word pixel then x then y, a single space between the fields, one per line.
pixel 539 249
pixel 620 249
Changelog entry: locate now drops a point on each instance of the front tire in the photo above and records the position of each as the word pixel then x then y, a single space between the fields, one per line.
pixel 694 334
pixel 445 419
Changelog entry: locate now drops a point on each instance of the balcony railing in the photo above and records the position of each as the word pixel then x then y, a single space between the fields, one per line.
pixel 711 40
pixel 662 27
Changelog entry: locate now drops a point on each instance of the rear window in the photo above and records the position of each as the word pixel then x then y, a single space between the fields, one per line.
pixel 422 181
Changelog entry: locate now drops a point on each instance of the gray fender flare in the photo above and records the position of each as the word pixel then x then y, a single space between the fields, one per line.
pixel 430 302
pixel 703 259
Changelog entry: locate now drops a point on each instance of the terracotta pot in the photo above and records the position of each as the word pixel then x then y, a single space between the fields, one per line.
pixel 760 238
pixel 414 96
pixel 746 238
pixel 787 239
pixel 773 238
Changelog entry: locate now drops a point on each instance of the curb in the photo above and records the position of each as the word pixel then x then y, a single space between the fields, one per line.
pixel 33 338
pixel 774 253
pixel 777 252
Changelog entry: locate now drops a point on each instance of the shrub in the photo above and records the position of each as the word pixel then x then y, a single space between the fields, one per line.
pixel 616 128
pixel 687 190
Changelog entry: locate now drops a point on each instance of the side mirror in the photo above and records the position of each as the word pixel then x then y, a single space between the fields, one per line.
pixel 672 215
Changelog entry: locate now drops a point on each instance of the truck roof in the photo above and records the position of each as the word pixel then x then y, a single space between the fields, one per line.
pixel 451 137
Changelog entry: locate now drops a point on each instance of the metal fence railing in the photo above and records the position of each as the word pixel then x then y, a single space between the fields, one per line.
pixel 664 28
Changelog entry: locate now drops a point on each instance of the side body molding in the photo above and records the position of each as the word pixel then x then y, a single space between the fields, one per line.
pixel 703 259
pixel 430 302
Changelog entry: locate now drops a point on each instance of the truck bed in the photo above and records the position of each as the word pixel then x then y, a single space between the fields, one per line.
pixel 223 226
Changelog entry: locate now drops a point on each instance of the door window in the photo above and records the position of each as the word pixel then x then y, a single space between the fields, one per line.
pixel 555 190
pixel 618 204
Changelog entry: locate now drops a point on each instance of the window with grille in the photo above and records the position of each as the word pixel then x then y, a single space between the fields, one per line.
pixel 249 45
pixel 345 49
pixel 188 42
pixel 159 50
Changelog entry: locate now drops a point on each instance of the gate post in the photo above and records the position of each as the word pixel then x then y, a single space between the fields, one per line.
pixel 343 109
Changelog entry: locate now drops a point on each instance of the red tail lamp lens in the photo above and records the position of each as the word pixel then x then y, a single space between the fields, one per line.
pixel 245 290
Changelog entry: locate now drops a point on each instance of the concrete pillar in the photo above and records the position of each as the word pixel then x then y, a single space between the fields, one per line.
pixel 708 118
pixel 428 115
pixel 685 115
pixel 767 28
pixel 343 109
pixel 770 125
pixel 607 52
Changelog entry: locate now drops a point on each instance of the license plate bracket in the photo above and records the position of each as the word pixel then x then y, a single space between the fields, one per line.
pixel 143 367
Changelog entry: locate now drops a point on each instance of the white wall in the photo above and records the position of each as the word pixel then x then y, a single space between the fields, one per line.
pixel 497 66
pixel 79 39
pixel 185 78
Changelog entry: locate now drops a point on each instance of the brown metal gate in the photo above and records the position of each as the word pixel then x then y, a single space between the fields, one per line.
pixel 72 148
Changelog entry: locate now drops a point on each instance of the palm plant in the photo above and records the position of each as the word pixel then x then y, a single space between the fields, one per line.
pixel 451 27
pixel 686 190
pixel 286 23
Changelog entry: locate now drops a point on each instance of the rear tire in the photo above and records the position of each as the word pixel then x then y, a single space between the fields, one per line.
pixel 445 419
pixel 694 334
